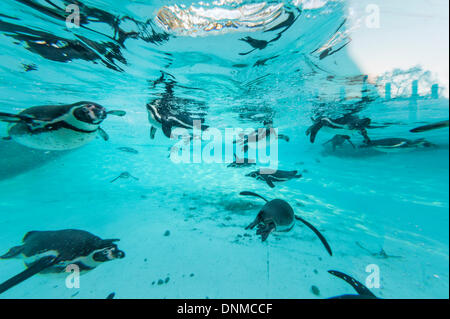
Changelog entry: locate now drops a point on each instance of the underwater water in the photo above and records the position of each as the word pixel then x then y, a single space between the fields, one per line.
pixel 235 64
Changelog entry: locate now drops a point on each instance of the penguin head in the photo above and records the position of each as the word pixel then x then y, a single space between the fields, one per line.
pixel 90 113
pixel 253 174
pixel 108 251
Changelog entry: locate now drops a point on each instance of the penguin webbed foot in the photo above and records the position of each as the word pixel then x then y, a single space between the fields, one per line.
pixel 254 223
pixel 264 230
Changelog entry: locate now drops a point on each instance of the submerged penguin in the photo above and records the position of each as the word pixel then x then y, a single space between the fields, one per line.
pixel 430 127
pixel 124 175
pixel 363 291
pixel 161 117
pixel 242 162
pixel 345 125
pixel 339 140
pixel 165 113
pixel 278 176
pixel 58 127
pixel 255 138
pixel 277 215
pixel 394 145
pixel 53 251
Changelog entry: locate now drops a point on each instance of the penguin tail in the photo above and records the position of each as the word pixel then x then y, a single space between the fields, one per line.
pixel 13 252
pixel 317 232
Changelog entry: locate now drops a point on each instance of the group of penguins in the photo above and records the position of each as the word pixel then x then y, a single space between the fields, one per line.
pixel 64 127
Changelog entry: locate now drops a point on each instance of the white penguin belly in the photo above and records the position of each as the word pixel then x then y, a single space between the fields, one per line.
pixel 341 131
pixel 394 149
pixel 153 122
pixel 284 229
pixel 58 140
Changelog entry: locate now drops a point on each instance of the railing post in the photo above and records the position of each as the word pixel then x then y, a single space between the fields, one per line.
pixel 388 91
pixel 435 91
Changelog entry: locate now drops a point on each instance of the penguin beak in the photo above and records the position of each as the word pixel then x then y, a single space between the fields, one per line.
pixel 119 254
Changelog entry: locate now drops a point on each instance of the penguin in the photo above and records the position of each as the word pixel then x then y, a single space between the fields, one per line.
pixel 344 125
pixel 363 291
pixel 253 139
pixel 394 145
pixel 429 127
pixel 242 162
pixel 277 215
pixel 339 140
pixel 52 251
pixel 160 116
pixel 57 127
pixel 164 113
pixel 124 175
pixel 270 178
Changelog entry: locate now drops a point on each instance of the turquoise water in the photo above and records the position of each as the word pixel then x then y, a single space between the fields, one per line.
pixel 182 226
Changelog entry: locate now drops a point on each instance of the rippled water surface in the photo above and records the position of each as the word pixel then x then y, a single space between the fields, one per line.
pixel 233 64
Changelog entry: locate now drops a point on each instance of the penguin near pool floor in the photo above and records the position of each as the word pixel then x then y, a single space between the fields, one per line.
pixel 278 216
pixel 52 251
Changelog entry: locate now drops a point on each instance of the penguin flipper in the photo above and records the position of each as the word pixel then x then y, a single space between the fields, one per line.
pixel 316 231
pixel 252 194
pixel 36 268
pixel 13 252
pixel 117 113
pixel 351 143
pixel 350 297
pixel 270 183
pixel 103 134
pixel 359 287
pixel 430 127
pixel 313 130
pixel 152 132
pixel 167 129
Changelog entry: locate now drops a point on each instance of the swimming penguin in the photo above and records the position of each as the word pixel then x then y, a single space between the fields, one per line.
pixel 53 251
pixel 58 127
pixel 394 145
pixel 255 138
pixel 345 125
pixel 242 162
pixel 161 117
pixel 165 113
pixel 124 175
pixel 363 291
pixel 434 126
pixel 339 140
pixel 277 176
pixel 277 215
